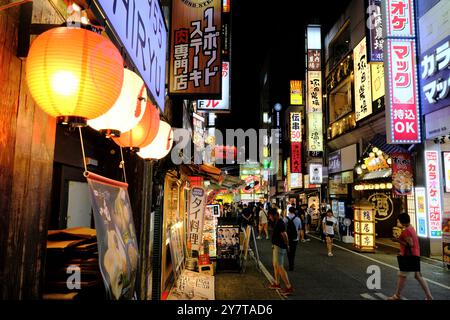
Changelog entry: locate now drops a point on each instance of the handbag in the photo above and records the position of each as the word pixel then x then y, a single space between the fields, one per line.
pixel 408 262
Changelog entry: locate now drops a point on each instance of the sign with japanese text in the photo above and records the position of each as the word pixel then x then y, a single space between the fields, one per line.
pixel 377 80
pixel 296 157
pixel 296 92
pixel 383 204
pixel 222 105
pixel 314 60
pixel 315 131
pixel 403 122
pixel 199 131
pixel 195 53
pixel 296 180
pixel 314 91
pixel 435 77
pixel 296 127
pixel 402 173
pixel 142 31
pixel 374 31
pixel 315 173
pixel 196 211
pixel 432 173
pixel 334 162
pixel 446 156
pixel 399 17
pixel 363 94
pixel 421 213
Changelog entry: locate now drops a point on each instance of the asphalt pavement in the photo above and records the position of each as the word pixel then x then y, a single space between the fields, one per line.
pixel 345 276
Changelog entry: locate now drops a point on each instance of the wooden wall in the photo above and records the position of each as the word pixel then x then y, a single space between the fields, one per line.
pixel 27 140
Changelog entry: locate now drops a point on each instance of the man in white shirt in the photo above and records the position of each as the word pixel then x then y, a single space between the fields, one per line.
pixel 329 224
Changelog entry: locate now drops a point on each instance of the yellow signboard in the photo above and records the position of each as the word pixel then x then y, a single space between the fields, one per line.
pixel 296 92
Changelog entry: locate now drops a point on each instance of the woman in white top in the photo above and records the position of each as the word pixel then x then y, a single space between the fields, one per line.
pixel 329 224
pixel 263 223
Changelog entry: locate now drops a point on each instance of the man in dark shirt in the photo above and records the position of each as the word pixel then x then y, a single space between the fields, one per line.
pixel 247 216
pixel 280 245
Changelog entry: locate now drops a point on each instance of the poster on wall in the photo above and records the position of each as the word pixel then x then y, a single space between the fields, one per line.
pixel 432 173
pixel 363 94
pixel 195 55
pixel 228 246
pixel 315 173
pixel 446 156
pixel 196 213
pixel 421 213
pixel 402 173
pixel 116 237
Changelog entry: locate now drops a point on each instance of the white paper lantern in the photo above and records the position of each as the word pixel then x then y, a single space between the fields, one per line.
pixel 127 111
pixel 162 144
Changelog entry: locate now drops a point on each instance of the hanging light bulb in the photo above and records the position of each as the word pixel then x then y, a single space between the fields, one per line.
pixel 74 74
pixel 128 110
pixel 161 145
pixel 143 133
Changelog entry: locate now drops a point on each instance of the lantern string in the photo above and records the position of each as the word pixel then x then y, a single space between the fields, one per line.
pixel 82 150
pixel 122 165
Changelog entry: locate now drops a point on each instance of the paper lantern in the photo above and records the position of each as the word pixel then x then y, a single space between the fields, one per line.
pixel 162 144
pixel 128 110
pixel 74 74
pixel 144 132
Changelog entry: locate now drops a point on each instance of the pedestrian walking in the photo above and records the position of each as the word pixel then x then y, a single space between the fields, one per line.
pixel 304 220
pixel 293 229
pixel 280 246
pixel 321 228
pixel 329 224
pixel 409 258
pixel 263 217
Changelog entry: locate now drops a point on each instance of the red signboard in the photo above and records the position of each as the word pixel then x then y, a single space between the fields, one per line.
pixel 296 157
pixel 402 173
pixel 403 105
pixel 400 18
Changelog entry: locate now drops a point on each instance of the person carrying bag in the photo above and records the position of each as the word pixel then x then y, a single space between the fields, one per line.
pixel 409 258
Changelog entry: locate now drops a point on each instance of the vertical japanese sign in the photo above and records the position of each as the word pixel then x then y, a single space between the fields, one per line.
pixel 196 212
pixel 433 193
pixel 378 90
pixel 315 134
pixel 314 91
pixel 363 95
pixel 435 77
pixel 195 53
pixel 296 142
pixel 314 60
pixel 421 212
pixel 142 31
pixel 374 31
pixel 296 92
pixel 402 105
pixel 402 173
pixel 222 105
pixel 315 173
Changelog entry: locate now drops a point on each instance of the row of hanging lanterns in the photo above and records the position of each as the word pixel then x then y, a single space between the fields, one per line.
pixel 78 76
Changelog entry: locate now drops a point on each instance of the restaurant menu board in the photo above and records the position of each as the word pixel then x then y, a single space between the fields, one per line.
pixel 228 246
pixel 209 230
pixel 193 286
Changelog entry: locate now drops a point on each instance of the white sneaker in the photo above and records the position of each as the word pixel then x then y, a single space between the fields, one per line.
pixel 258 237
pixel 267 238
pixel 330 254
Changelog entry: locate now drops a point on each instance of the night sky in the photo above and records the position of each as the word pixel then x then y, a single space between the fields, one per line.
pixel 277 31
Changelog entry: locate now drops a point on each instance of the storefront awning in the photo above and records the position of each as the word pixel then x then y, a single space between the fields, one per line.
pixel 380 142
pixel 380 174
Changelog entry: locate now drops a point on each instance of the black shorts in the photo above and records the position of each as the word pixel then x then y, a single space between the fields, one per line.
pixel 331 236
